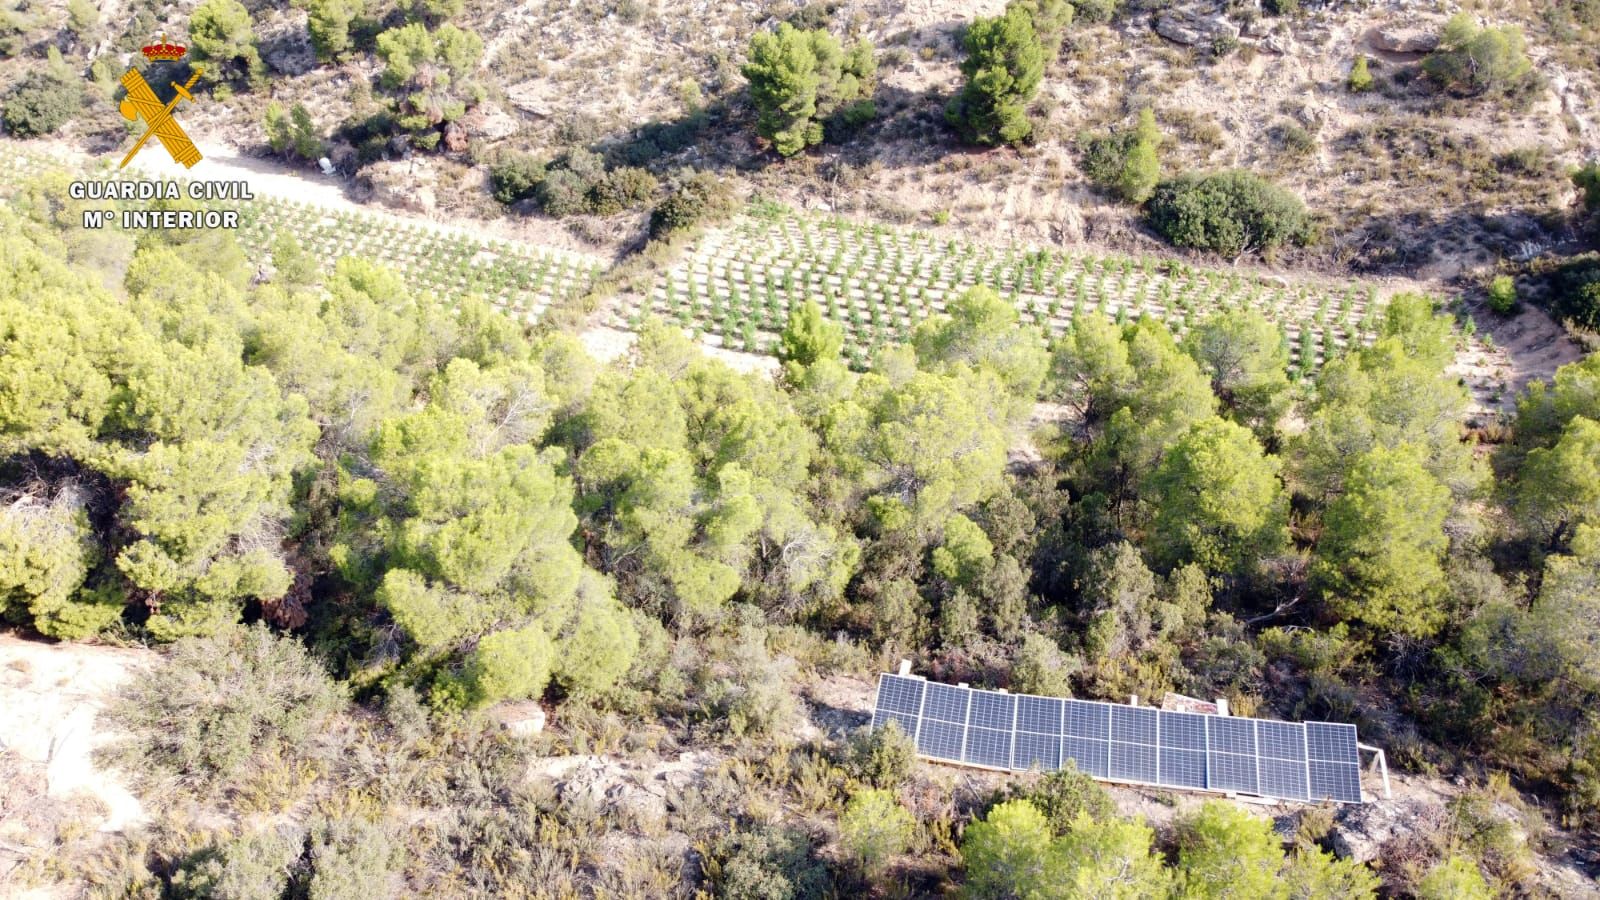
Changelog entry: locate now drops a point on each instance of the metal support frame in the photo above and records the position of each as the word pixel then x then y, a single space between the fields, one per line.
pixel 1381 763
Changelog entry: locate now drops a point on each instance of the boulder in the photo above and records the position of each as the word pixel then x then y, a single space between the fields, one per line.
pixel 1278 43
pixel 490 122
pixel 455 138
pixel 1190 28
pixel 1403 39
pixel 1360 832
pixel 523 719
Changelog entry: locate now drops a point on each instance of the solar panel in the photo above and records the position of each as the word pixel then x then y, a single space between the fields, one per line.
pixel 1088 720
pixel 1041 750
pixel 1089 755
pixel 994 729
pixel 940 740
pixel 1335 781
pixel 1230 735
pixel 1039 715
pixel 908 724
pixel 1182 768
pixel 1283 778
pixel 900 694
pixel 988 747
pixel 1233 772
pixel 1133 762
pixel 1183 731
pixel 1281 740
pixel 991 709
pixel 1330 742
pixel 946 704
pixel 1134 724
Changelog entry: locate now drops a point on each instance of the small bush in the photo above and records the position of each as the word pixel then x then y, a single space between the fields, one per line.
pixel 218 701
pixel 1576 288
pixel 563 193
pixel 1096 12
pixel 1503 294
pixel 700 198
pixel 621 189
pixel 1587 181
pixel 515 176
pixel 1230 213
pixel 249 867
pixel 1360 80
pixel 1126 163
pixel 1281 7
pixel 881 757
pixel 291 131
pixel 765 864
pixel 1066 794
pixel 41 103
pixel 1003 66
pixel 874 828
pixel 352 859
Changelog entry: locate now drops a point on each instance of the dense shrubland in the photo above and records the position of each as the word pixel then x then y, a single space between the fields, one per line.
pixel 449 512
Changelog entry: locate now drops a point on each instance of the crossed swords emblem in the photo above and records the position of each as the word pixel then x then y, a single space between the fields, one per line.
pixel 142 103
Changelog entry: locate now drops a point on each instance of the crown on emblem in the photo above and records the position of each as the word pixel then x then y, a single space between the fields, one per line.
pixel 163 50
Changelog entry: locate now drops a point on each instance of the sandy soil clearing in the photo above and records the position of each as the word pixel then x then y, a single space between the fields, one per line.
pixel 50 695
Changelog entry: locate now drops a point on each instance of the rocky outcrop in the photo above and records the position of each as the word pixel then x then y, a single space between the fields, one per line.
pixel 1191 28
pixel 1403 39
pixel 1362 831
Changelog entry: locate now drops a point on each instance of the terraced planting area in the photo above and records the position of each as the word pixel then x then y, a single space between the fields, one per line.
pixel 515 277
pixel 877 282
pixel 518 277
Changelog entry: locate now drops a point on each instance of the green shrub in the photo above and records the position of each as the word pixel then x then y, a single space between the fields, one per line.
pixel 1050 20
pixel 1455 878
pixel 700 198
pixel 1065 795
pixel 620 189
pixel 1231 213
pixel 352 859
pixel 254 866
pixel 1587 181
pixel 1281 7
pixel 222 32
pixel 217 701
pixel 1003 67
pixel 1042 668
pixel 514 176
pixel 291 131
pixel 1126 163
pixel 1360 80
pixel 1576 290
pixel 881 757
pixel 328 22
pixel 83 16
pixel 873 828
pixel 1096 12
pixel 508 665
pixel 1503 294
pixel 563 193
pixel 1474 60
pixel 42 102
pixel 767 864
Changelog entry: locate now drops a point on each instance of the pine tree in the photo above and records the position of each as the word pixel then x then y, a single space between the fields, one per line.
pixel 1003 67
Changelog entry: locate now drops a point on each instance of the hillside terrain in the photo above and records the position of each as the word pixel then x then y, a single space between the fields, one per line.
pixel 598 395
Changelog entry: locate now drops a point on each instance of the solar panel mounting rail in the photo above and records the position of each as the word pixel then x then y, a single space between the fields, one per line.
pixel 1299 761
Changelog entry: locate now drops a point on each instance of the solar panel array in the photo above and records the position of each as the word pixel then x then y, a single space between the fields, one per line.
pixel 1309 761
